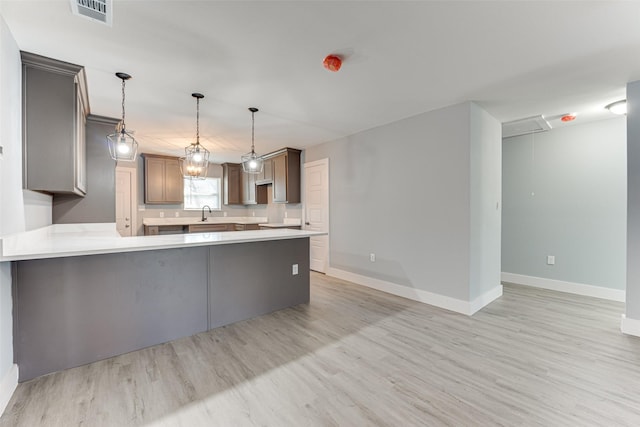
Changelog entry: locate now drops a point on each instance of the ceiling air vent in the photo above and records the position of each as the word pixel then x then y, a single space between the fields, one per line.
pixel 96 10
pixel 525 126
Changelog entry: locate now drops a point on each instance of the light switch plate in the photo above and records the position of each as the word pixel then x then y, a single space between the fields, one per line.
pixel 551 260
pixel 294 269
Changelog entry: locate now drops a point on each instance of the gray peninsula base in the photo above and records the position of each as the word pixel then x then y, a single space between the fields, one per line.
pixel 76 310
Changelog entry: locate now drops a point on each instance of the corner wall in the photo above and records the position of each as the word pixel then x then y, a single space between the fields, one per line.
pixel 631 321
pixel 11 201
pixel 565 195
pixel 403 192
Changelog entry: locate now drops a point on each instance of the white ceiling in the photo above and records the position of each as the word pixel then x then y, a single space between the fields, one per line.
pixel 516 59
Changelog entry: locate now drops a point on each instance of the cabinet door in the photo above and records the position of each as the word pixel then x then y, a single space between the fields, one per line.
pixel 154 180
pixel 280 179
pixel 81 145
pixel 173 182
pixel 266 176
pixel 232 183
pixel 248 189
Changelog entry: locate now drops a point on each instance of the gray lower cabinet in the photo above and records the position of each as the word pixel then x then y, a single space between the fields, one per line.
pixel 54 110
pixel 139 299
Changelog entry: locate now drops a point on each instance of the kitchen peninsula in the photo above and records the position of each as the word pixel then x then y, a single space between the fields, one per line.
pixel 82 293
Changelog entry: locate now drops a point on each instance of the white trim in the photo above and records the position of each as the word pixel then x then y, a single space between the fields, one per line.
pixel 561 286
pixel 485 299
pixel 8 385
pixel 630 326
pixel 322 162
pixel 441 301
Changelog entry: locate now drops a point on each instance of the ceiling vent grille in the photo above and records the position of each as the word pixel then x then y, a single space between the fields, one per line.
pixel 96 10
pixel 525 126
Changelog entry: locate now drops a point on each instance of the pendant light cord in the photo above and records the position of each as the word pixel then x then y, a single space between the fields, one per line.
pixel 253 125
pixel 123 125
pixel 197 121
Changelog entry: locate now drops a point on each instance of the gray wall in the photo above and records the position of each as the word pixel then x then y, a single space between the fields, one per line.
pixel 11 202
pixel 486 195
pixel 633 201
pixel 564 194
pixel 422 162
pixel 98 205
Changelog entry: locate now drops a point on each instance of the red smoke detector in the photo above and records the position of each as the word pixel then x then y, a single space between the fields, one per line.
pixel 332 63
pixel 568 117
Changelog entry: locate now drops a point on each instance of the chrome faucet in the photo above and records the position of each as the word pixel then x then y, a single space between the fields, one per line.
pixel 205 206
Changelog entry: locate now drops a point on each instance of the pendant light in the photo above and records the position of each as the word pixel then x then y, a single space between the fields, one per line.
pixel 196 157
pixel 251 162
pixel 122 144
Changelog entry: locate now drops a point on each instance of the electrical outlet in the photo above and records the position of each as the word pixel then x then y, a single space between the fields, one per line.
pixel 161 214
pixel 294 269
pixel 285 214
pixel 224 214
pixel 253 214
pixel 551 259
pixel 177 214
pixel 372 257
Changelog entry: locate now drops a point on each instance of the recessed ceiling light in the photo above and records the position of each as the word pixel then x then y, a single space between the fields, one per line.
pixel 618 107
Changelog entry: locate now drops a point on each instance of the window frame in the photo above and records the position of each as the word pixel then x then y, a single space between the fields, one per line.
pixel 187 182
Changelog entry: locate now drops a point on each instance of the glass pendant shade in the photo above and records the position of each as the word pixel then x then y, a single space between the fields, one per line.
pixel 196 158
pixel 195 162
pixel 122 145
pixel 251 162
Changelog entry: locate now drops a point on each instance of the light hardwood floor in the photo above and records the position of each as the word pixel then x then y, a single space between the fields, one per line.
pixel 358 357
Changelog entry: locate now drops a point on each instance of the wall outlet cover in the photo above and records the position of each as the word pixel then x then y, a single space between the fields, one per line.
pixel 294 269
pixel 551 259
pixel 161 214
pixel 224 214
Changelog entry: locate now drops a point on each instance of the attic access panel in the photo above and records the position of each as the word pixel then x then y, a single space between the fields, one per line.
pixel 525 126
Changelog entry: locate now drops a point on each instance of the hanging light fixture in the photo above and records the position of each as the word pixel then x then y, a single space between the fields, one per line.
pixel 122 144
pixel 251 162
pixel 196 157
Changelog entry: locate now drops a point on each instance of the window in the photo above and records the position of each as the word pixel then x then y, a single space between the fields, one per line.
pixel 200 192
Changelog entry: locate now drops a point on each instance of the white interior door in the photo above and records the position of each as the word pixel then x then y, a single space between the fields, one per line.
pixel 316 191
pixel 123 202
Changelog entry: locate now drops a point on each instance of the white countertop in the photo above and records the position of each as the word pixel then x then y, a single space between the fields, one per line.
pixel 185 220
pixel 63 240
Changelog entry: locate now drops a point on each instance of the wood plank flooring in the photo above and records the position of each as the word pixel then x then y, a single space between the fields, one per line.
pixel 358 357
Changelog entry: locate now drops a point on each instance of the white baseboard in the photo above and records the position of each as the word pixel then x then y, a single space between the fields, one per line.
pixel 630 326
pixel 569 287
pixel 8 385
pixel 441 301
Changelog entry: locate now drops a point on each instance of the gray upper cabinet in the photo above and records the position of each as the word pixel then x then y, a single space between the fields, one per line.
pixel 55 107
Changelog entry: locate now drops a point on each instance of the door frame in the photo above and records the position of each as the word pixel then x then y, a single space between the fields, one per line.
pixel 327 198
pixel 133 175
